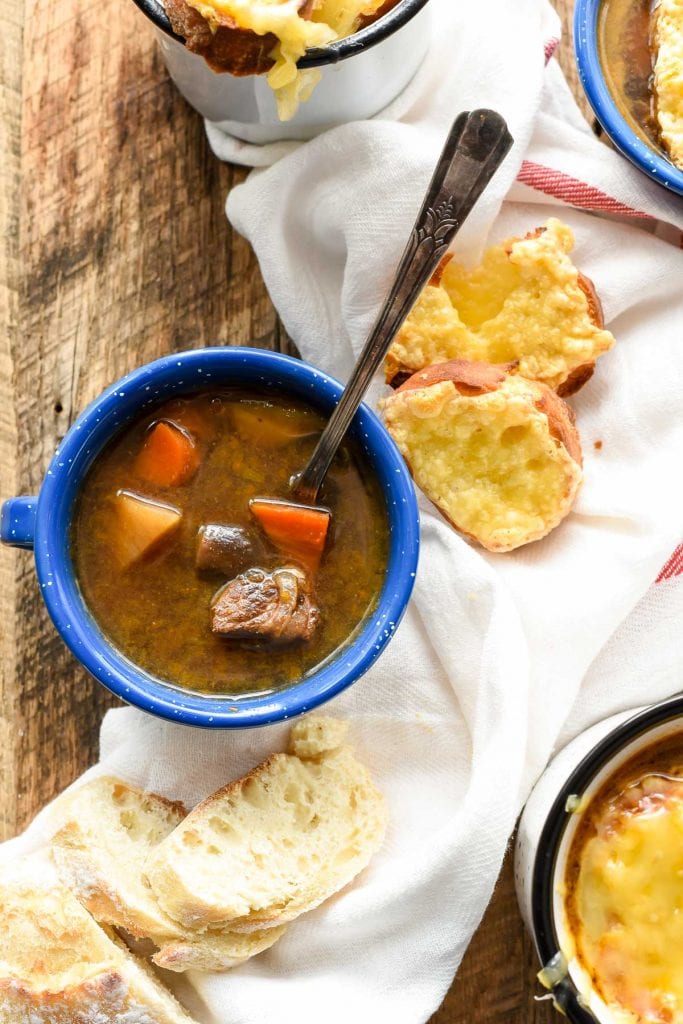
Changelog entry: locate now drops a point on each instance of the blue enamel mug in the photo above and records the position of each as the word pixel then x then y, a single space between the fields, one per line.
pixel 43 523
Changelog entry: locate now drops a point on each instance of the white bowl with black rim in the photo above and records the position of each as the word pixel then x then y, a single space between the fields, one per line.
pixel 546 830
pixel 360 76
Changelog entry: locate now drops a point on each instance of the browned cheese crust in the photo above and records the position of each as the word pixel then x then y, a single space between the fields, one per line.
pixel 432 460
pixel 468 378
pixel 426 336
pixel 231 49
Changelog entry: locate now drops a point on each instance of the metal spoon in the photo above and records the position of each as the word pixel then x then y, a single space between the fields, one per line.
pixel 477 145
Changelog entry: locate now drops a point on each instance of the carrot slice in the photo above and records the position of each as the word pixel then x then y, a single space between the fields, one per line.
pixel 299 531
pixel 140 525
pixel 169 456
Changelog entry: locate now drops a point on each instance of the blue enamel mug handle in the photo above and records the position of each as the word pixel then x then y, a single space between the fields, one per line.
pixel 18 522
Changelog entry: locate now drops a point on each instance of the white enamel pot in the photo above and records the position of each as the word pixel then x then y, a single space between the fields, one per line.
pixel 544 837
pixel 360 76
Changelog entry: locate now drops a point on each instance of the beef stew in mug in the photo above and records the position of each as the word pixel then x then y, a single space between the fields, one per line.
pixel 192 568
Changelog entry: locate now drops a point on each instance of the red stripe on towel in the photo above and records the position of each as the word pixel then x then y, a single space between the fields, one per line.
pixel 572 191
pixel 550 47
pixel 674 567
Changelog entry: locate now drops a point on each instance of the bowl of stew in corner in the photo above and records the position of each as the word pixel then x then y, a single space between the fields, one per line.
pixel 172 573
pixel 599 870
pixel 626 52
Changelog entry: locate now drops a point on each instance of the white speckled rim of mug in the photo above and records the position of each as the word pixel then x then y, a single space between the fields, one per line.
pixel 571 992
pixel 341 49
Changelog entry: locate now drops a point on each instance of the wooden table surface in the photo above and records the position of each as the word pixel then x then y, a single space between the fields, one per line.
pixel 115 249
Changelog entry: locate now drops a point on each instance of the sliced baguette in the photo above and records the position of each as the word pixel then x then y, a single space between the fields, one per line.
pixel 525 303
pixel 276 843
pixel 215 951
pixel 109 829
pixel 57 966
pixel 498 455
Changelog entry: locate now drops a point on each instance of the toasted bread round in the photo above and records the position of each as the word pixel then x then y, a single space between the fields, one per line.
pixel 498 455
pixel 526 302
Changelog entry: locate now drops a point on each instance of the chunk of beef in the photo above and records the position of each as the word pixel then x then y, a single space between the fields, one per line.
pixel 274 607
pixel 227 549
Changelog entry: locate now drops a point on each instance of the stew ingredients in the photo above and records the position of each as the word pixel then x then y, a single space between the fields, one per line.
pixel 201 580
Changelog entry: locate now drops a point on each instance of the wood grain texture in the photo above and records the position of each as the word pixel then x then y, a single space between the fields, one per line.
pixel 114 250
pixel 124 254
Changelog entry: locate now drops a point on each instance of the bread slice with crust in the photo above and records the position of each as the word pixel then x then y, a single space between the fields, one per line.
pixel 215 950
pixel 498 455
pixel 525 303
pixel 57 966
pixel 277 842
pixel 109 829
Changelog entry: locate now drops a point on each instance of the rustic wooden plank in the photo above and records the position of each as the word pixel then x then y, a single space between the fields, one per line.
pixel 496 983
pixel 10 132
pixel 125 254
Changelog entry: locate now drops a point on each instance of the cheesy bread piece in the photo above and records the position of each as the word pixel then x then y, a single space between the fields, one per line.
pixel 627 902
pixel 526 302
pixel 668 75
pixel 498 455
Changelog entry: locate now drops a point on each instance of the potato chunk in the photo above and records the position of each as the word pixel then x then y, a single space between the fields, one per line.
pixel 141 525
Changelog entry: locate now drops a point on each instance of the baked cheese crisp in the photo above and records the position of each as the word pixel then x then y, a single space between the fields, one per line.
pixel 668 75
pixel 625 899
pixel 526 302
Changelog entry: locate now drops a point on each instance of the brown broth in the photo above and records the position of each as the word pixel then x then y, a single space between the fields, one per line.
pixel 624 46
pixel 157 611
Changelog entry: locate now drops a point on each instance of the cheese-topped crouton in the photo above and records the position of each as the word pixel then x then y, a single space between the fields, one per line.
pixel 526 302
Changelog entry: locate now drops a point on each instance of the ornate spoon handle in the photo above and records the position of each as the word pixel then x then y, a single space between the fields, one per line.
pixel 476 146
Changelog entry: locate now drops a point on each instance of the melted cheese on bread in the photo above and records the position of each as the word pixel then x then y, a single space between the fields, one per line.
pixel 329 20
pixel 668 75
pixel 525 302
pixel 629 902
pixel 489 462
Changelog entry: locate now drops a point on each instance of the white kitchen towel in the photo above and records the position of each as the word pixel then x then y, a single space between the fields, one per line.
pixel 499 657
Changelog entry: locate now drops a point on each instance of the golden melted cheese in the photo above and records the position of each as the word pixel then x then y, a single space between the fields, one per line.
pixel 488 462
pixel 523 302
pixel 668 75
pixel 330 20
pixel 629 902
